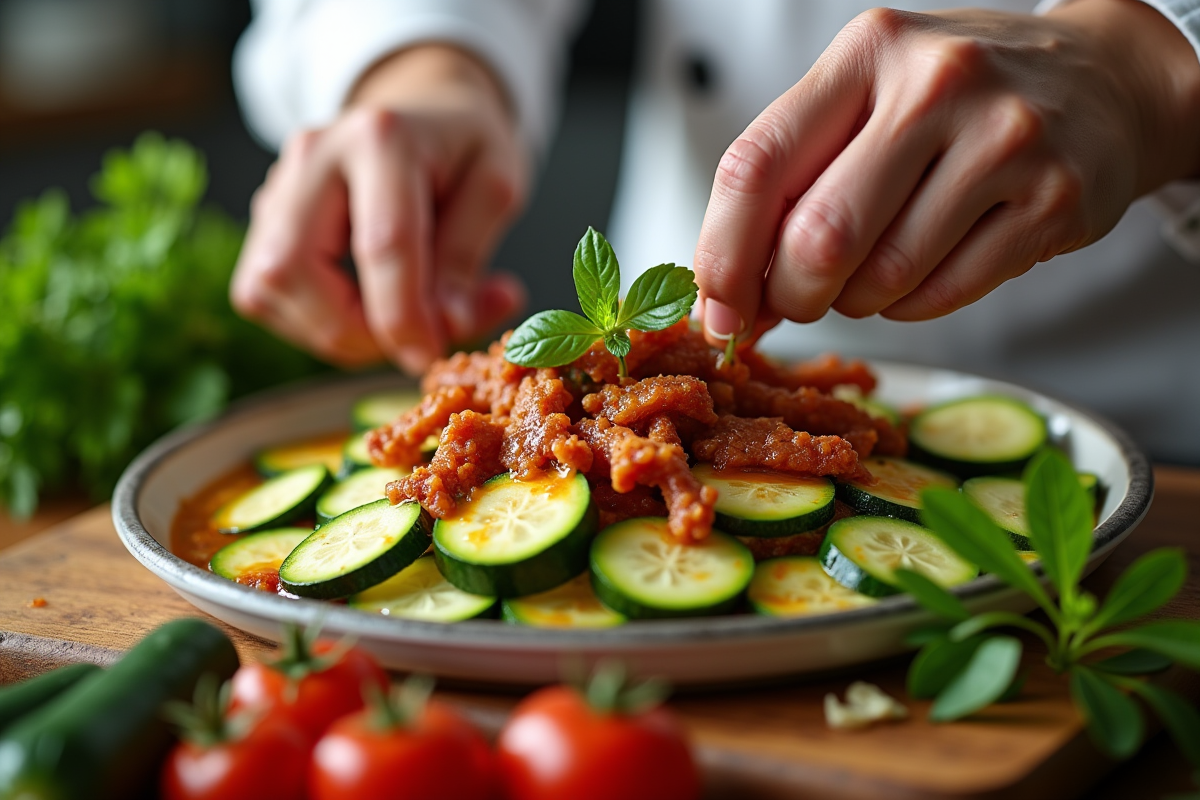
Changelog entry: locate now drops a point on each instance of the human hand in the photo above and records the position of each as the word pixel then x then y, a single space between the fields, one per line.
pixel 418 179
pixel 927 158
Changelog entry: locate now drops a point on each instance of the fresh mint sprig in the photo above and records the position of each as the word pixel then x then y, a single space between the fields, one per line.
pixel 658 299
pixel 965 665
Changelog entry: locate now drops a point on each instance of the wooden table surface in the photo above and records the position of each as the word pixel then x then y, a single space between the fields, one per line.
pixel 765 743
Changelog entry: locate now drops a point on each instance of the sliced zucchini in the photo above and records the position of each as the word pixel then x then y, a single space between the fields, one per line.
pixel 853 394
pixel 572 605
pixel 258 552
pixel 897 488
pixel 380 408
pixel 420 592
pixel 513 538
pixel 798 586
pixel 863 553
pixel 985 435
pixel 640 570
pixel 286 497
pixel 357 550
pixel 767 503
pixel 1004 501
pixel 324 450
pixel 355 455
pixel 364 486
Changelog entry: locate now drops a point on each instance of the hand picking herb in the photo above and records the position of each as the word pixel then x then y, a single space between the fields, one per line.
pixel 967 665
pixel 658 299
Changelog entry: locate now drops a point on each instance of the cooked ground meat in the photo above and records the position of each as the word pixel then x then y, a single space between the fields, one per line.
pixel 539 432
pixel 808 409
pixel 640 501
pixel 492 379
pixel 467 456
pixel 631 404
pixel 823 373
pixel 399 444
pixel 765 442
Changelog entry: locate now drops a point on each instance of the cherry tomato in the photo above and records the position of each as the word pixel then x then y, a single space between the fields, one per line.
pixel 319 697
pixel 556 746
pixel 439 755
pixel 269 761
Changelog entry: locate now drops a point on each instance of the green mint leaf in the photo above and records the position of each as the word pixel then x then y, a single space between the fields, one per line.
pixel 1148 583
pixel 974 536
pixel 1133 662
pixel 1001 619
pixel 1112 718
pixel 660 297
pixel 597 279
pixel 618 343
pixel 985 679
pixel 938 663
pixel 923 636
pixel 930 595
pixel 1177 715
pixel 1060 518
pixel 1177 639
pixel 551 339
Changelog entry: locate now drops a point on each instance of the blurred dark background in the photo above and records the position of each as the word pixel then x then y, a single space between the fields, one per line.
pixel 78 77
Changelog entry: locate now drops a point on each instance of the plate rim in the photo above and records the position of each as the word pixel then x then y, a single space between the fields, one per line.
pixel 189 579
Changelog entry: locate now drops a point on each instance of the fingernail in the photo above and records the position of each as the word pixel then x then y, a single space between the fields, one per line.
pixel 721 321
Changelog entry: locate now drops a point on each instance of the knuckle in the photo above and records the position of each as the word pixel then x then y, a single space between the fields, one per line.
pixel 381 238
pixel 248 299
pixel 942 296
pixel 876 26
pixel 301 145
pixel 500 191
pixel 751 163
pixel 375 126
pixel 1017 126
pixel 1062 192
pixel 944 70
pixel 891 269
pixel 819 236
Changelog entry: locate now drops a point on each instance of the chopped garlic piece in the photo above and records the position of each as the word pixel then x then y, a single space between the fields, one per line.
pixel 865 703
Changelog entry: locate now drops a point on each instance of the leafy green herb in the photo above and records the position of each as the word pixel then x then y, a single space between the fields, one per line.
pixel 658 299
pixel 966 665
pixel 115 324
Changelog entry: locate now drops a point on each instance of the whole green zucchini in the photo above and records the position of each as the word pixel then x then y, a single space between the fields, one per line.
pixel 105 737
pixel 21 698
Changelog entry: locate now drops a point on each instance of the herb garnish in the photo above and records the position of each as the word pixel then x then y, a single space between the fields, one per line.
pixel 965 666
pixel 658 299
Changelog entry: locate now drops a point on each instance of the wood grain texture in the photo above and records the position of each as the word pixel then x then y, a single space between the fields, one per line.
pixel 763 743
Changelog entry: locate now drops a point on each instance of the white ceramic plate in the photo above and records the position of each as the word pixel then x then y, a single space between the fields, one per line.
pixel 698 651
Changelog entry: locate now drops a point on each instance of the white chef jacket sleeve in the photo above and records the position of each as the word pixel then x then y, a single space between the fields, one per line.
pixel 1179 202
pixel 299 59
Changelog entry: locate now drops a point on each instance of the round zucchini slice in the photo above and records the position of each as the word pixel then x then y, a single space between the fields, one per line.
pixel 420 592
pixel 897 488
pixel 863 553
pixel 977 436
pixel 286 497
pixel 364 486
pixel 640 570
pixel 572 605
pixel 513 538
pixel 357 550
pixel 355 455
pixel 380 408
pixel 1004 501
pixel 324 450
pixel 258 552
pixel 798 586
pixel 767 503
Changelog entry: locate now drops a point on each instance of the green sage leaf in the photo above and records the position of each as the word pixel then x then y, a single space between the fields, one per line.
pixel 1060 518
pixel 1177 714
pixel 551 339
pixel 660 297
pixel 1177 639
pixel 1112 718
pixel 618 343
pixel 938 663
pixel 1133 662
pixel 985 679
pixel 597 279
pixel 930 595
pixel 1147 584
pixel 998 619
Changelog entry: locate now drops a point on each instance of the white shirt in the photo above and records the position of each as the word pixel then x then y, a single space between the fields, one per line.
pixel 1114 327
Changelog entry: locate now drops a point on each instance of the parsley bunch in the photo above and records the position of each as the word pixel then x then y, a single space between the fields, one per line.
pixel 967 665
pixel 115 324
pixel 660 297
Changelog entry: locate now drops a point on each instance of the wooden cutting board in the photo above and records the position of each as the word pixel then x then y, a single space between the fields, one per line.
pixel 763 743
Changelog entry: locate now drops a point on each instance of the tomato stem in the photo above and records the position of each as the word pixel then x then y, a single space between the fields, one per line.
pixel 609 692
pixel 400 707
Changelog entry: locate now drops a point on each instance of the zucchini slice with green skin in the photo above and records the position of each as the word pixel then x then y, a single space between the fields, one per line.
pixel 22 698
pixel 420 592
pixel 325 450
pixel 364 486
pixel 512 538
pixel 897 488
pixel 1004 501
pixel 357 550
pixel 985 435
pixel 767 503
pixel 798 586
pixel 863 553
pixel 640 570
pixel 380 408
pixel 280 500
pixel 572 605
pixel 257 552
pixel 355 455
pixel 105 737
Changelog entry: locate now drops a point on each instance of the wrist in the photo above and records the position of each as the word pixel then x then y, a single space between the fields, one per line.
pixel 1156 72
pixel 430 73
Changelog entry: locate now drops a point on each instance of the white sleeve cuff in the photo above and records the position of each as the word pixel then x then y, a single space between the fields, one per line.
pixel 298 61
